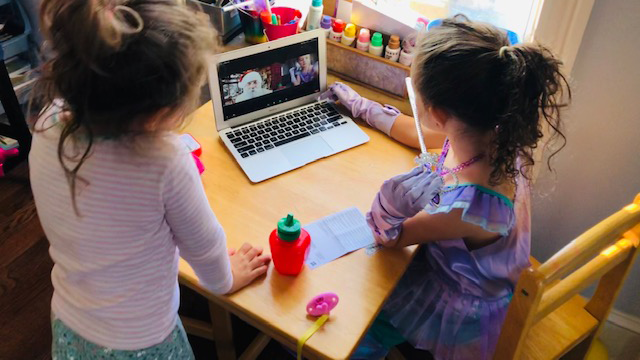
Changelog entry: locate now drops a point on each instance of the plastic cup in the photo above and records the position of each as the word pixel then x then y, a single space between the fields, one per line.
pixel 252 27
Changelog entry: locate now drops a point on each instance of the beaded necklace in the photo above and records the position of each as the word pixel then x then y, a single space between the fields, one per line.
pixel 429 160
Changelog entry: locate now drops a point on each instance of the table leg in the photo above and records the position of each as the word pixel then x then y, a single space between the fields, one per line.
pixel 222 332
pixel 255 348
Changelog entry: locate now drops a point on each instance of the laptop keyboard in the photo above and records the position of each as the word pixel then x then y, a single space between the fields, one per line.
pixel 282 129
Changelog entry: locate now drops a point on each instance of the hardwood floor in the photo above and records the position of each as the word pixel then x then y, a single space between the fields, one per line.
pixel 25 266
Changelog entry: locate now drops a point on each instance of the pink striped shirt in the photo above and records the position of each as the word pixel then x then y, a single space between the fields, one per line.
pixel 115 273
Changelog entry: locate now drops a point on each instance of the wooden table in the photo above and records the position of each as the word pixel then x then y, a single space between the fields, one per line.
pixel 275 304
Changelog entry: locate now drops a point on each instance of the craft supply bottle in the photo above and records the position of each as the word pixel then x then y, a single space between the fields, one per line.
pixel 289 244
pixel 406 57
pixel 392 51
pixel 315 15
pixel 336 30
pixel 326 25
pixel 348 35
pixel 363 40
pixel 375 47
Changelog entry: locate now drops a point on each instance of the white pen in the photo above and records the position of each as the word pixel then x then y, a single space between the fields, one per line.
pixel 235 6
pixel 414 109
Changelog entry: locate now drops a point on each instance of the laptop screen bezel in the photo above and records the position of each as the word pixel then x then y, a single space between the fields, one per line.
pixel 214 88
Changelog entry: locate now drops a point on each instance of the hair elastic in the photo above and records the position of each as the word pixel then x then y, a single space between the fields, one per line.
pixel 502 50
pixel 134 14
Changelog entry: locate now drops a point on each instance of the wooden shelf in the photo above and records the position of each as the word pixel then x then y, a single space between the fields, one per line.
pixel 367 68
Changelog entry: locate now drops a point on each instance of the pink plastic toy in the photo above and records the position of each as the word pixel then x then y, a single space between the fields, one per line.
pixel 4 155
pixel 199 163
pixel 322 304
pixel 195 148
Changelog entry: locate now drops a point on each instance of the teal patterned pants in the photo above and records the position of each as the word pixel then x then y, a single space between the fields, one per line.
pixel 68 345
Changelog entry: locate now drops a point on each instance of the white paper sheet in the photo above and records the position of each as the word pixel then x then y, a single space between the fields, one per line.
pixel 336 235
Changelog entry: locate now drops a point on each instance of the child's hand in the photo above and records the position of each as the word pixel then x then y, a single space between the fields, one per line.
pixel 376 115
pixel 246 265
pixel 399 198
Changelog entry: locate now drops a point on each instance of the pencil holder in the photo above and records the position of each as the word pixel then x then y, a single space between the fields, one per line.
pixel 289 20
pixel 227 24
pixel 252 27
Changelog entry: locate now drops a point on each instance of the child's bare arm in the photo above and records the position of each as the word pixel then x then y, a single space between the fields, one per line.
pixel 424 228
pixel 404 131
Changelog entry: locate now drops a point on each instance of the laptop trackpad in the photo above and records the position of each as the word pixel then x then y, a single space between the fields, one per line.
pixel 306 151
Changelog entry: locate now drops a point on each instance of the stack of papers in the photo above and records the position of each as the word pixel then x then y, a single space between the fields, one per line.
pixel 336 235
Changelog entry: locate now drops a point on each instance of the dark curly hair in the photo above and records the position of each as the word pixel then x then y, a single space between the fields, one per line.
pixel 114 64
pixel 471 71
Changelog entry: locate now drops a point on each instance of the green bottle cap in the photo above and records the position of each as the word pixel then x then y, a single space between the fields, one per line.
pixel 376 39
pixel 316 3
pixel 289 228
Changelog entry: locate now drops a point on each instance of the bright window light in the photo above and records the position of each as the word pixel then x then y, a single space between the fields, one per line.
pixel 512 15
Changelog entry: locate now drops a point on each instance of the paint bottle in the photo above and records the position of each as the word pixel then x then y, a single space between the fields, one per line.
pixel 325 24
pixel 289 244
pixel 406 57
pixel 375 47
pixel 315 15
pixel 392 52
pixel 348 35
pixel 336 30
pixel 363 40
pixel 409 44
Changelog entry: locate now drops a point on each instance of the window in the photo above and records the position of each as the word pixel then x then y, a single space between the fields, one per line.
pixel 514 15
pixel 559 24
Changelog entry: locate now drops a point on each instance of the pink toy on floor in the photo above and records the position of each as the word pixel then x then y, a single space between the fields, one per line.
pixel 4 155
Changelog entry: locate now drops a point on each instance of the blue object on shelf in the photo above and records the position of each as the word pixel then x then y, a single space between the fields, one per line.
pixel 19 43
pixel 511 36
pixel 433 23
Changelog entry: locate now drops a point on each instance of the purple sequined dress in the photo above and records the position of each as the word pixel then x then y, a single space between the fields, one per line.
pixel 452 300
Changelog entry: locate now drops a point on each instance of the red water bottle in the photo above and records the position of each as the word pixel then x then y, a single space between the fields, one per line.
pixel 289 246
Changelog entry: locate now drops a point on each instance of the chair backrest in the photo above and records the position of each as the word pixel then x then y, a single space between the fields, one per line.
pixel 605 252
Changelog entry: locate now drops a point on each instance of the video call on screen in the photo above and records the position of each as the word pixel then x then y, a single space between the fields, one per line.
pixel 258 81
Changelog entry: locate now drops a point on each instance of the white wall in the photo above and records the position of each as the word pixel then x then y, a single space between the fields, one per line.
pixel 599 170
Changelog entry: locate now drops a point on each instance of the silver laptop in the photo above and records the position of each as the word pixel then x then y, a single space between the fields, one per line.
pixel 266 108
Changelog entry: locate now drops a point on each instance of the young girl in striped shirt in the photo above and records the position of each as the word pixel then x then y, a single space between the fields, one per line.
pixel 118 195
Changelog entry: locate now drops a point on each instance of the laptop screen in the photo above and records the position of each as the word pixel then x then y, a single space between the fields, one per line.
pixel 258 81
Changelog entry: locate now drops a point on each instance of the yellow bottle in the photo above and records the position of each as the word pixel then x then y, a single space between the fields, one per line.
pixel 349 35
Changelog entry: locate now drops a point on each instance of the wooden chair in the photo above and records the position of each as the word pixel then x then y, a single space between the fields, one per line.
pixel 547 318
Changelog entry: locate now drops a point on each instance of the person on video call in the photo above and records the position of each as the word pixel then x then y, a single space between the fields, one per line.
pixel 251 85
pixel 304 71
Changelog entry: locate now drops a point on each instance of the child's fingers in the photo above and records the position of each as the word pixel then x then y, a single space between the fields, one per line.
pixel 259 261
pixel 258 271
pixel 412 186
pixel 245 248
pixel 231 251
pixel 254 251
pixel 426 183
pixel 408 175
